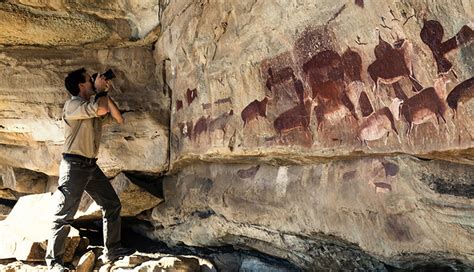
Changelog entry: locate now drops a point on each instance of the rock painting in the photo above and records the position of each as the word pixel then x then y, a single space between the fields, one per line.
pixel 191 95
pixel 298 117
pixel 428 104
pixel 200 127
pixel 379 123
pixel 179 104
pixel 254 110
pixel 313 79
pixel 223 101
pixel 432 35
pixel 378 173
pixel 220 122
pixel 391 64
pixel 463 92
pixel 325 75
pixel 248 173
pixel 342 92
pixel 381 174
pixel 360 3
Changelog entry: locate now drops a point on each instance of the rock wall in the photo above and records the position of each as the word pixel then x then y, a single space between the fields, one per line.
pixel 303 80
pixel 33 92
pixel 352 84
pixel 358 213
pixel 330 133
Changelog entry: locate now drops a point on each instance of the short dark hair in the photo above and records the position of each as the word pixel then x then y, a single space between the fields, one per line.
pixel 73 79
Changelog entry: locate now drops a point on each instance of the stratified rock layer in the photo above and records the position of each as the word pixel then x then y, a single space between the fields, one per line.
pixel 356 212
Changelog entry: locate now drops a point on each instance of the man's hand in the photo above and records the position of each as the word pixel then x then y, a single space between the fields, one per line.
pixel 101 84
pixel 108 86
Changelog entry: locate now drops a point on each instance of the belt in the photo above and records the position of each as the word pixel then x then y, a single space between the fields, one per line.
pixel 75 157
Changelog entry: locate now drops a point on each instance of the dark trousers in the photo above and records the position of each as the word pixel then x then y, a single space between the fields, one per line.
pixel 75 177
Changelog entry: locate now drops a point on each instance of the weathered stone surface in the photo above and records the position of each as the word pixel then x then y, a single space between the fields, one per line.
pixel 4 211
pixel 134 200
pixel 8 194
pixel 314 80
pixel 86 263
pixel 22 180
pixel 357 213
pixel 28 226
pixel 171 264
pixel 236 262
pixel 19 266
pixel 33 91
pixel 57 23
pixel 254 264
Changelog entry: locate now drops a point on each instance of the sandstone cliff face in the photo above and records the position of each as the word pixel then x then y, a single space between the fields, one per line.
pixel 382 206
pixel 306 80
pixel 33 92
pixel 329 133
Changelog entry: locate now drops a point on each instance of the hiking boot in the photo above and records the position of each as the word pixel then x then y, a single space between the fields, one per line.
pixel 57 267
pixel 115 254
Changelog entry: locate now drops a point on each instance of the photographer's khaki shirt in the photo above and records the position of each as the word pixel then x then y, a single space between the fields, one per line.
pixel 83 128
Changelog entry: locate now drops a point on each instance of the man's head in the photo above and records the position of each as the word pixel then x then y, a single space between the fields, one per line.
pixel 79 82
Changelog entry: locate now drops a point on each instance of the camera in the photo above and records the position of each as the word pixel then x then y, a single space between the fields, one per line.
pixel 109 74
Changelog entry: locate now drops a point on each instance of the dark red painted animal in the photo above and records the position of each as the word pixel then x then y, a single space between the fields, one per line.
pixel 220 122
pixel 322 67
pixel 248 173
pixel 365 105
pixel 281 76
pixel 333 104
pixel 191 95
pixel 325 76
pixel 254 110
pixel 392 64
pixel 352 63
pixel 463 92
pixel 426 105
pixel 201 126
pixel 294 118
pixel 432 35
pixel 179 105
pixel 224 100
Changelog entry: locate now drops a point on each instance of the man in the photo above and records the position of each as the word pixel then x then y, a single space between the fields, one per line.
pixel 78 169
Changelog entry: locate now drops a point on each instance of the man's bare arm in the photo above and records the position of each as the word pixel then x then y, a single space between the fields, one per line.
pixel 114 111
pixel 103 108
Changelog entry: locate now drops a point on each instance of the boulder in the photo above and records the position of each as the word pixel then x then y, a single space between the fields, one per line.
pixel 27 228
pixel 86 262
pixel 23 180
